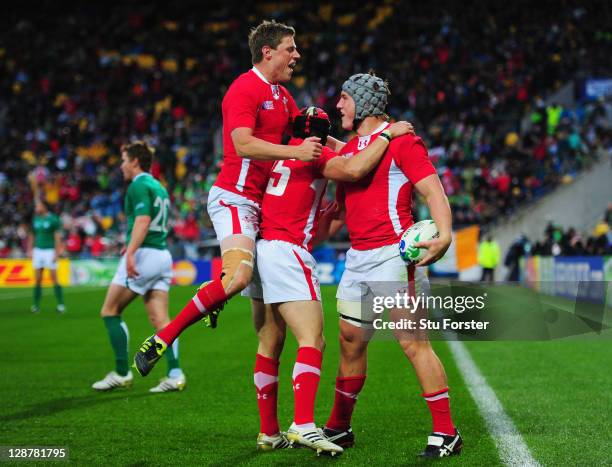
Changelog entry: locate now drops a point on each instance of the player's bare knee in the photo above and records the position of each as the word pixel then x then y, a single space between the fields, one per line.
pixel 271 344
pixel 352 346
pixel 414 348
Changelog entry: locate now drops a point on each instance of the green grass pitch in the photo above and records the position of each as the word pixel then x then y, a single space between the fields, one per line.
pixel 557 393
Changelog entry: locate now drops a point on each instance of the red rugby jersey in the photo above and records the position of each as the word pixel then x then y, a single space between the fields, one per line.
pixel 252 102
pixel 292 200
pixel 378 207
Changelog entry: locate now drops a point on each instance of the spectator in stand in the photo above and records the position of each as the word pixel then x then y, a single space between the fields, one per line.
pixel 517 250
pixel 488 258
pixel 74 243
pixel 97 245
pixel 187 229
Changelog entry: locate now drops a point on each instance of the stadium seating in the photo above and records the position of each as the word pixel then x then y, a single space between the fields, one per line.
pixel 79 83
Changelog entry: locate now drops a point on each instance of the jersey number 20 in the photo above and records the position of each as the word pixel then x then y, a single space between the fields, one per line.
pixel 160 221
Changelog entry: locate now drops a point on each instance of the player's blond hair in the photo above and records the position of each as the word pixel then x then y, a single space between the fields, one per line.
pixel 268 33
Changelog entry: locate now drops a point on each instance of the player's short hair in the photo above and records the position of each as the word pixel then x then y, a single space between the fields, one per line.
pixel 141 151
pixel 268 33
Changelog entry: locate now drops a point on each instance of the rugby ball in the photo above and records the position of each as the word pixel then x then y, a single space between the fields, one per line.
pixel 420 232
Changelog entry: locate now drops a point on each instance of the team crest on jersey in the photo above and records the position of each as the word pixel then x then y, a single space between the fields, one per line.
pixel 363 142
pixel 268 105
pixel 275 91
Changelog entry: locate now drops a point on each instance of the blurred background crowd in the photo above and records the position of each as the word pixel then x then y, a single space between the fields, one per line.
pixel 77 82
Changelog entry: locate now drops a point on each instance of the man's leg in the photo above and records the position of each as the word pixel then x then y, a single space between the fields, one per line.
pixel 38 273
pixel 237 271
pixel 429 372
pixel 270 329
pixel 351 378
pixel 117 298
pixel 305 319
pixel 156 304
pixel 59 293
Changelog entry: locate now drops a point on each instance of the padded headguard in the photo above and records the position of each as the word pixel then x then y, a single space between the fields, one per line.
pixel 312 121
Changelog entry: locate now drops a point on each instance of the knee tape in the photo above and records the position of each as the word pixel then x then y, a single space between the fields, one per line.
pixel 235 259
pixel 352 313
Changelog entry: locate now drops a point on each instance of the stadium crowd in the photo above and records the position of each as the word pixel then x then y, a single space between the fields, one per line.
pixel 77 83
pixel 570 242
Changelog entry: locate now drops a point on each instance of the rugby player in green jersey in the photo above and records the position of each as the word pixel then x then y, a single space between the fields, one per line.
pixel 145 269
pixel 45 247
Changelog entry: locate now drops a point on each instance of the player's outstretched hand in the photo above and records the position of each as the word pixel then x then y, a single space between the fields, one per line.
pixel 401 128
pixel 130 265
pixel 435 250
pixel 309 150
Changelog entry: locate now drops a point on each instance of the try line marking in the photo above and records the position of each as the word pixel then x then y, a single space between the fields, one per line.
pixel 512 448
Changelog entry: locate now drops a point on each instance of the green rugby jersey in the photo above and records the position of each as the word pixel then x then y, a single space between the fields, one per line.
pixel 147 197
pixel 44 228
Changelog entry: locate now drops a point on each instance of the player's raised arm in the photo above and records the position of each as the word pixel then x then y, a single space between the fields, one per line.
pixel 354 168
pixel 251 147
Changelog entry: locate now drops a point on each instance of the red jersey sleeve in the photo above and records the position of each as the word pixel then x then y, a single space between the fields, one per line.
pixel 241 107
pixel 413 159
pixel 326 155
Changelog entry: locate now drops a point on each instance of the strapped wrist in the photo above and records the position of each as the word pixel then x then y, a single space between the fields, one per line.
pixel 386 134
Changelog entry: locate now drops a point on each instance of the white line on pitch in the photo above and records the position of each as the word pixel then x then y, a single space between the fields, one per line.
pixel 512 448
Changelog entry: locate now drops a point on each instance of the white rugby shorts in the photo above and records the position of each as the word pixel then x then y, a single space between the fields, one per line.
pixel 232 214
pixel 154 269
pixel 43 258
pixel 284 272
pixel 385 273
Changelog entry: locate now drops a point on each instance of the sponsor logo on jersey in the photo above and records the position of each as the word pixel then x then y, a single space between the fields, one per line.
pixel 275 91
pixel 363 142
pixel 267 105
pixel 139 205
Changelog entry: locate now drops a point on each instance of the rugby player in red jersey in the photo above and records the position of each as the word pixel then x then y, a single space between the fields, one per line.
pixel 257 111
pixel 377 212
pixel 286 280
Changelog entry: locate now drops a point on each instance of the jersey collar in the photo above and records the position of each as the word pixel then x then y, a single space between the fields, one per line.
pixel 140 175
pixel 380 128
pixel 260 75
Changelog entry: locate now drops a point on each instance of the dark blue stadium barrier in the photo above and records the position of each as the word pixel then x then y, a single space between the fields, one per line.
pixel 574 277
